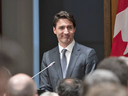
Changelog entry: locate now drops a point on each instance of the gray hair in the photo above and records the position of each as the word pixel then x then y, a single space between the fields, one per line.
pixel 101 75
pixel 98 76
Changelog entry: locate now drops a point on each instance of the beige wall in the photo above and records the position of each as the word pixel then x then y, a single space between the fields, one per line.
pixel 17 25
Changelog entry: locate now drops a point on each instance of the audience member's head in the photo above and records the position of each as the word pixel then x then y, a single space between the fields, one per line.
pixel 101 75
pixel 110 89
pixel 117 66
pixel 5 75
pixel 21 85
pixel 68 87
pixel 49 94
pixel 12 56
pixel 96 77
pixel 5 59
pixel 124 58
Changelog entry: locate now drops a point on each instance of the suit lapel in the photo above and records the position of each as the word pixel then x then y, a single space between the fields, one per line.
pixel 73 59
pixel 56 58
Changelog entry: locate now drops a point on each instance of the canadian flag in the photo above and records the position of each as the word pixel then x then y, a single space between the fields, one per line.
pixel 120 38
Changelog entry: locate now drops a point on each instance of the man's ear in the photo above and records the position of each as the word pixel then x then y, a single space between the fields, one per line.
pixel 54 30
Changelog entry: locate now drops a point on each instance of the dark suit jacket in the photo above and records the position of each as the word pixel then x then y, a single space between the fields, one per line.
pixel 83 60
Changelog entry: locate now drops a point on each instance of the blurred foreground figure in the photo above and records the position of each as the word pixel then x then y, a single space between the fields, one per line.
pixel 124 58
pixel 110 89
pixel 68 87
pixel 21 85
pixel 5 75
pixel 12 56
pixel 98 76
pixel 7 53
pixel 117 66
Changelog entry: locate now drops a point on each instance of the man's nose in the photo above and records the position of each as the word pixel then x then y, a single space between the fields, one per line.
pixel 66 31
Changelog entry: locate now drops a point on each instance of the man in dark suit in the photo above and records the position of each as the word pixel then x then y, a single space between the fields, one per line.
pixel 71 58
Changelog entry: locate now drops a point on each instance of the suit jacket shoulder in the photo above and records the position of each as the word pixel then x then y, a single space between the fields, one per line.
pixel 52 50
pixel 84 49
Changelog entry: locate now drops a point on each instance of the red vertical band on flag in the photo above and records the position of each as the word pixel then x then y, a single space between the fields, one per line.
pixel 122 5
pixel 120 39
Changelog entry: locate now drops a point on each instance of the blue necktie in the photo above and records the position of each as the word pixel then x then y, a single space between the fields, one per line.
pixel 64 62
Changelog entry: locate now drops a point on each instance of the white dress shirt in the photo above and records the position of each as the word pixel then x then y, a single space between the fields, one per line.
pixel 68 52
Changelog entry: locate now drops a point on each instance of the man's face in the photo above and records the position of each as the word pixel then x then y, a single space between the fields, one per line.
pixel 64 31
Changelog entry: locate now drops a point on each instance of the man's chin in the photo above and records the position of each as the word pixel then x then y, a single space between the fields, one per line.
pixel 64 43
pixel 67 42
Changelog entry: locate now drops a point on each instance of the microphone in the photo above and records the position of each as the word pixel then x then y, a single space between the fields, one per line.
pixel 44 69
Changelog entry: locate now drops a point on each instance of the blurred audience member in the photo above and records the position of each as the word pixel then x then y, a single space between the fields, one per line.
pixel 110 89
pixel 98 76
pixel 21 85
pixel 5 75
pixel 49 94
pixel 124 58
pixel 68 87
pixel 12 54
pixel 117 66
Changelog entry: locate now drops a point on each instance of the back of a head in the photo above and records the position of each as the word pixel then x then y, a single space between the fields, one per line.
pixel 21 85
pixel 69 87
pixel 110 89
pixel 101 75
pixel 124 58
pixel 12 55
pixel 5 75
pixel 49 94
pixel 96 77
pixel 117 66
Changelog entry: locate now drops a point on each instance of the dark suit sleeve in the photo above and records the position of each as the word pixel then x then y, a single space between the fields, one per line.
pixel 91 61
pixel 45 83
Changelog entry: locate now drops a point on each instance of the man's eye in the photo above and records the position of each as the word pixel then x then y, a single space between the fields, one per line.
pixel 61 28
pixel 69 27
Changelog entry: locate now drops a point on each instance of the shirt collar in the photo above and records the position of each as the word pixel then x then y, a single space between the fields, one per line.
pixel 69 47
